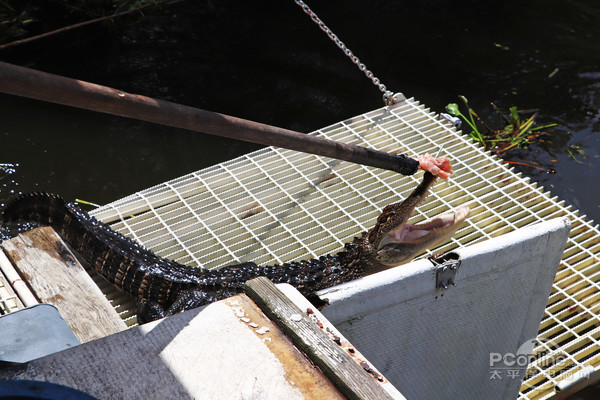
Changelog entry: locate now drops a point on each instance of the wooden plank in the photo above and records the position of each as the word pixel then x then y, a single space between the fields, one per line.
pixel 336 336
pixel 350 378
pixel 56 277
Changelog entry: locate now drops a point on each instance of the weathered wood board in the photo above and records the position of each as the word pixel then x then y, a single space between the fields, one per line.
pixel 342 369
pixel 226 350
pixel 56 277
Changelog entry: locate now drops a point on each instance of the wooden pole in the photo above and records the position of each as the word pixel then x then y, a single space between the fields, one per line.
pixel 39 85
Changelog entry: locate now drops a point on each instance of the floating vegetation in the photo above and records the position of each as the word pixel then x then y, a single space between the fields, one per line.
pixel 518 131
pixel 574 151
pixel 87 203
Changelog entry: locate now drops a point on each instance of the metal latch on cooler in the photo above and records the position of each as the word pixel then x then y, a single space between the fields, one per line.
pixel 446 267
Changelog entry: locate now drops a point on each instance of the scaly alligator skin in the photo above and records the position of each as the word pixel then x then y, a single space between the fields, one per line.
pixel 163 287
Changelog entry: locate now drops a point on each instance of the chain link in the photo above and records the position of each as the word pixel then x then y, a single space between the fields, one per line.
pixel 388 96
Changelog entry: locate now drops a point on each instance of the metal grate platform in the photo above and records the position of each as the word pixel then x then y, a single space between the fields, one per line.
pixel 275 205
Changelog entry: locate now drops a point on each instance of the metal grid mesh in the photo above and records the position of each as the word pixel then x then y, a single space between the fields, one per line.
pixel 275 205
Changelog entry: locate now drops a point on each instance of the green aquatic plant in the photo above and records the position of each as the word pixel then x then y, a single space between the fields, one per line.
pixel 574 151
pixel 453 109
pixel 87 203
pixel 518 131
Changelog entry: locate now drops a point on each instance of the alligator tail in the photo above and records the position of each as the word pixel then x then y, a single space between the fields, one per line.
pixel 122 261
pixel 41 208
pixel 87 236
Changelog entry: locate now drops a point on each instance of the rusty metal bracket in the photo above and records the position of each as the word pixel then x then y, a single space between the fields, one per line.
pixel 446 267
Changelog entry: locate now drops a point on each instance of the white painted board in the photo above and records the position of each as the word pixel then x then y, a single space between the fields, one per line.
pixel 439 344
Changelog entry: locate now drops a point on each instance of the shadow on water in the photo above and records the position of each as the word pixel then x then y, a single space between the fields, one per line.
pixel 268 62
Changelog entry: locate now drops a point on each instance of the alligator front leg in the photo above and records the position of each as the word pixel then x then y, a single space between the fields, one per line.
pixel 148 310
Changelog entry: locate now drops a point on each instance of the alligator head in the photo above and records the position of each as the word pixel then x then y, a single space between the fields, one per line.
pixel 393 241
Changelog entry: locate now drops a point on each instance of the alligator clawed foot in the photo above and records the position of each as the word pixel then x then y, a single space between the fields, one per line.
pixel 148 311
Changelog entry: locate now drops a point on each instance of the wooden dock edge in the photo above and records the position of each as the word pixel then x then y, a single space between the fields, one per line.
pixel 350 378
pixel 55 276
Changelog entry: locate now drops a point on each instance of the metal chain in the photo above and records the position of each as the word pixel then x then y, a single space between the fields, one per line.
pixel 388 96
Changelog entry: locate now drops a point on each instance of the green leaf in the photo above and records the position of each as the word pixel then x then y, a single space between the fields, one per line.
pixel 452 108
pixel 515 115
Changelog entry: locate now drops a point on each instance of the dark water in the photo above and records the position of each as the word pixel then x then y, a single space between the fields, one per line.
pixel 266 61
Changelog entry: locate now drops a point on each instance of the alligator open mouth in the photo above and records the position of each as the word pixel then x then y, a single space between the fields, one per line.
pixel 430 232
pixel 395 241
pixel 406 241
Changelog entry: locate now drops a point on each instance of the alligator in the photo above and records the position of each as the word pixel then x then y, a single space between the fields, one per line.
pixel 163 287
